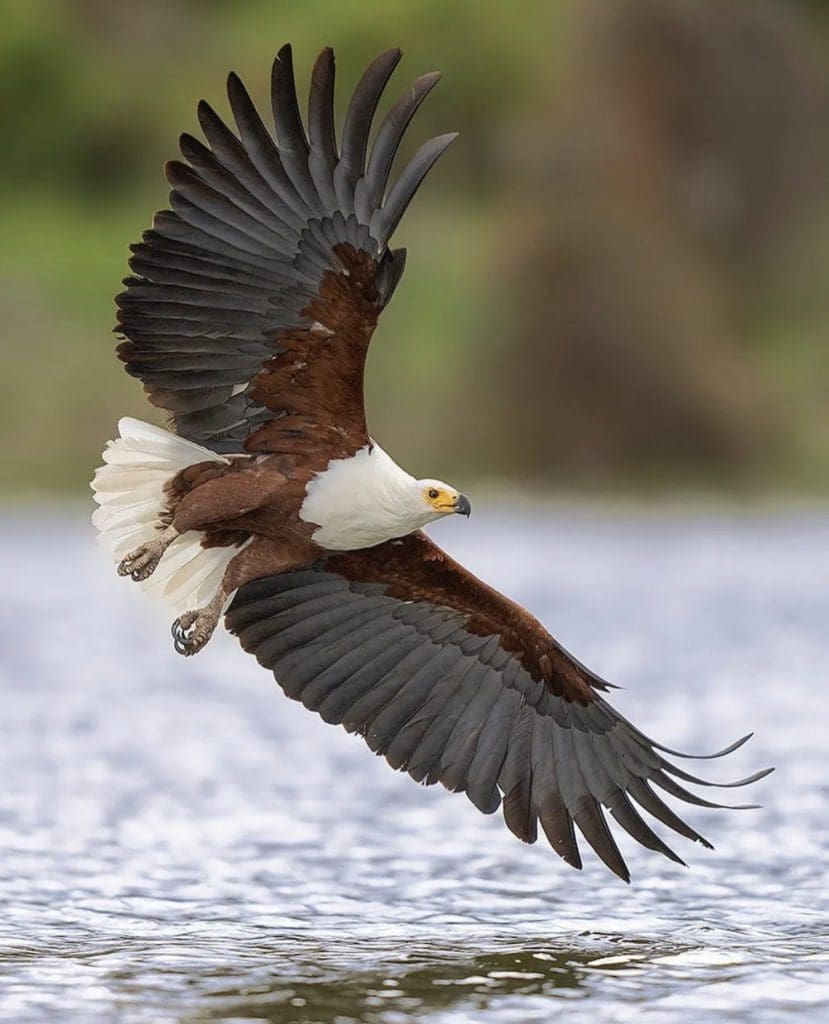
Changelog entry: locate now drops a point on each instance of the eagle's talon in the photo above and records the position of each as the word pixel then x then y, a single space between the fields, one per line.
pixel 181 625
pixel 193 629
pixel 141 564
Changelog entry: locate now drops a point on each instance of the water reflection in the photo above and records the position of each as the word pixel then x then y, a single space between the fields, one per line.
pixel 408 985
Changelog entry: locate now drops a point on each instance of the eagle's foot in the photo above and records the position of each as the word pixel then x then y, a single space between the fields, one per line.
pixel 193 629
pixel 142 563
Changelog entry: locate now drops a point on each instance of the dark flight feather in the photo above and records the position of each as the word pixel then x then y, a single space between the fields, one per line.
pixel 322 158
pixel 357 126
pixel 290 133
pixel 384 220
pixel 370 189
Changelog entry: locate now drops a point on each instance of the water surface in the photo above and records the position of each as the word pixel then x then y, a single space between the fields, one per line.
pixel 180 842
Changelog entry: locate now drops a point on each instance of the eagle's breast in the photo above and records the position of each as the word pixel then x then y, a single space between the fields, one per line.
pixel 360 501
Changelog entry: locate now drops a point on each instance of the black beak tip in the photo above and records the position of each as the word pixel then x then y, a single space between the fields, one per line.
pixel 462 506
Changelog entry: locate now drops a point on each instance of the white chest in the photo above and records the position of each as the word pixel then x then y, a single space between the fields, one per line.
pixel 361 501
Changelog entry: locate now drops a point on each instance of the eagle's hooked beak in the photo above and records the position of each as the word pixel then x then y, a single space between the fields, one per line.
pixel 462 506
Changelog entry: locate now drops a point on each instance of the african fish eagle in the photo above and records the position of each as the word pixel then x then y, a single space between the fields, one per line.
pixel 248 317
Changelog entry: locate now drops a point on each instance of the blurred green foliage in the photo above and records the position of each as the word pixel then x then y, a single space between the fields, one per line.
pixel 94 94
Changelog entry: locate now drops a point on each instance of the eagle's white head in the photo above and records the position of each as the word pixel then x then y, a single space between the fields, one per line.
pixel 368 499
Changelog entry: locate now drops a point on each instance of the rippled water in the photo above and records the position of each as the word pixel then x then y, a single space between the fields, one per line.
pixel 179 842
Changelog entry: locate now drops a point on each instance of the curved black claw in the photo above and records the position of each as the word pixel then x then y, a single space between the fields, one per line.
pixel 182 640
pixel 192 630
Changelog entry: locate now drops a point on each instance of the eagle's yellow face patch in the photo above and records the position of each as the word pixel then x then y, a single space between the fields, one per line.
pixel 442 499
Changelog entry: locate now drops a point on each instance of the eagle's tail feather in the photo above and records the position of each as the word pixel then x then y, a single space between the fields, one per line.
pixel 129 491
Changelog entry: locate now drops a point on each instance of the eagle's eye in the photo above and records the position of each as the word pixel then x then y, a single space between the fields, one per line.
pixel 433 493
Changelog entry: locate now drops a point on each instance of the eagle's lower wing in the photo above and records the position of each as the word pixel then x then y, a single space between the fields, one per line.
pixel 456 684
pixel 256 294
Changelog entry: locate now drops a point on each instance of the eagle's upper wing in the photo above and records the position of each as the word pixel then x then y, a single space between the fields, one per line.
pixel 454 683
pixel 256 294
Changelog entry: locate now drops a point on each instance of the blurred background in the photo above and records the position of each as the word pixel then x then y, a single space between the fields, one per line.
pixel 616 276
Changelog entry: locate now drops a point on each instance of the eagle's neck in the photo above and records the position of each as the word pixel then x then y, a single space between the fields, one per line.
pixel 362 501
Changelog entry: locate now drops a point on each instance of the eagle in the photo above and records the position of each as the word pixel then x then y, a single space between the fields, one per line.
pixel 247 317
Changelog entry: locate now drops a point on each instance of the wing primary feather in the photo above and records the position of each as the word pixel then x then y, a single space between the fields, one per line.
pixel 385 220
pixel 575 787
pixel 643 738
pixel 625 814
pixel 607 780
pixel 253 158
pixel 647 799
pixel 292 143
pixel 593 825
pixel 695 780
pixel 519 816
pixel 369 191
pixel 664 781
pixel 547 801
pixel 698 757
pixel 357 126
pixel 261 149
pixel 287 119
pixel 322 158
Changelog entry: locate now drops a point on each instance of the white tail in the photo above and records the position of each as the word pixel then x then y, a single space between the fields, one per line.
pixel 129 490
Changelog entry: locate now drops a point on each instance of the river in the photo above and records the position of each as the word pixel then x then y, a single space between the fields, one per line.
pixel 180 842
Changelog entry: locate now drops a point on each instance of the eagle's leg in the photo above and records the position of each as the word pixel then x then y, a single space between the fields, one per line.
pixel 261 557
pixel 141 563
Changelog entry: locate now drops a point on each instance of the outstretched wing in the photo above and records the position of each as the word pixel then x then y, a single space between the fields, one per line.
pixel 454 683
pixel 255 296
